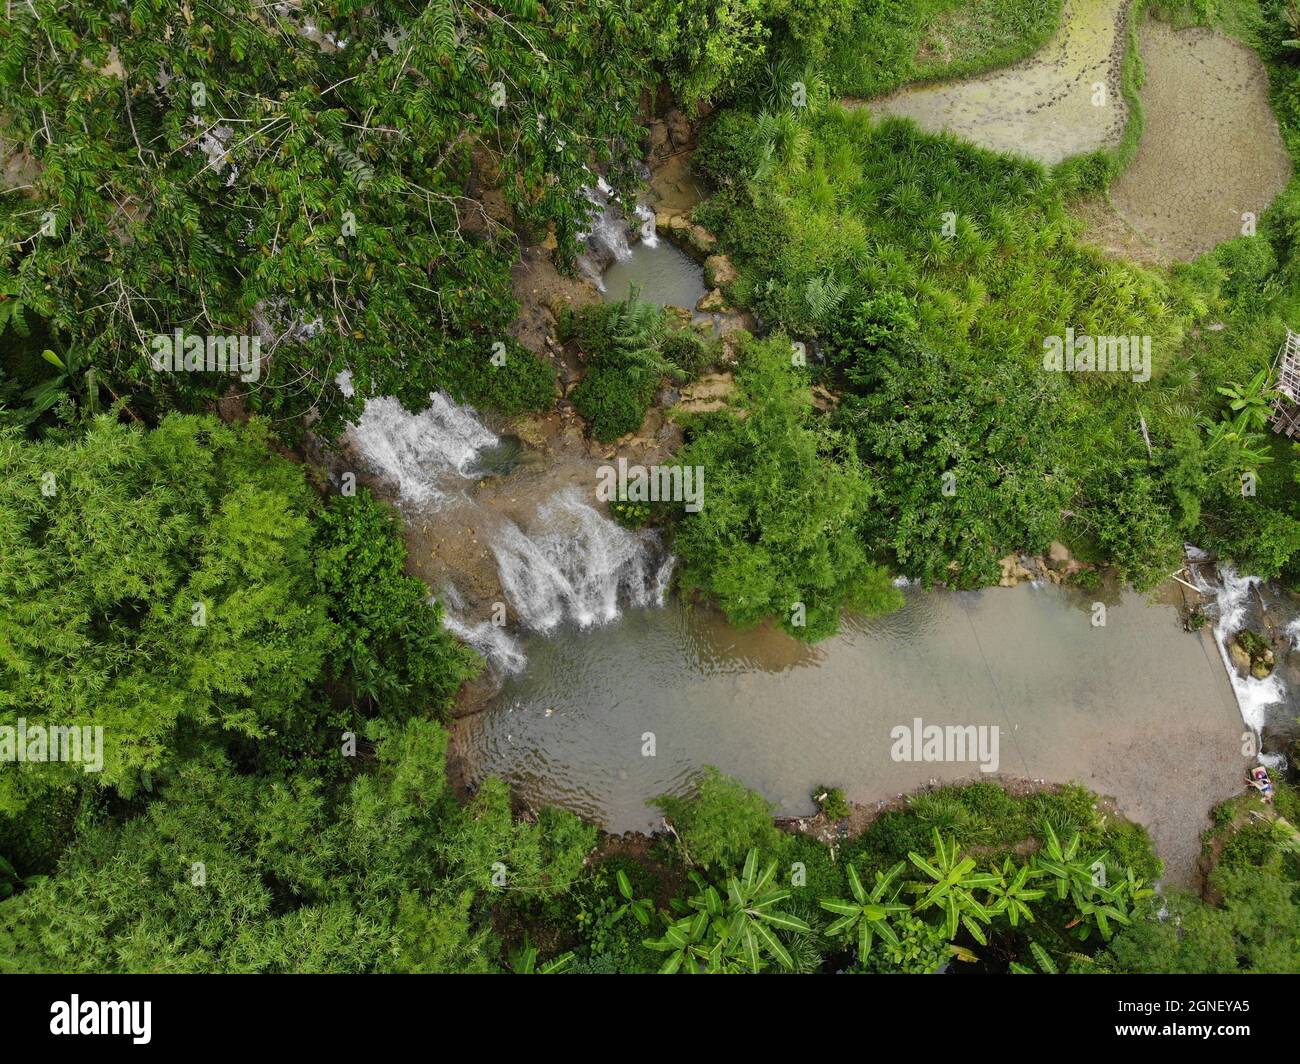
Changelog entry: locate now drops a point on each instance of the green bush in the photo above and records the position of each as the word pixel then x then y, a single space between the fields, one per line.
pixel 394 652
pixel 832 802
pixel 688 351
pixel 621 342
pixel 721 820
pixel 729 149
pixel 779 532
pixel 613 400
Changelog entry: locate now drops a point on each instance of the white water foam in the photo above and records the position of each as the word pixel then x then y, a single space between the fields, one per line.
pixel 607 233
pixel 1231 598
pixel 502 650
pixel 420 452
pixel 577 565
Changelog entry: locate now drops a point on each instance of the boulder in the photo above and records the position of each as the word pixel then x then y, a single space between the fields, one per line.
pixel 1058 555
pixel 701 239
pixel 712 302
pixel 719 271
pixel 679 128
pixel 1239 658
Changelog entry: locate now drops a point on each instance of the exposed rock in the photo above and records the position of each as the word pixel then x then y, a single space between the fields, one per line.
pixel 679 129
pixel 707 394
pixel 1251 653
pixel 701 239
pixel 824 399
pixel 1238 656
pixel 712 301
pixel 1013 571
pixel 719 271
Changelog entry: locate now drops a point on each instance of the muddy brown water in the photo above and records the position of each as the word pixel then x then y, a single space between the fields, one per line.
pixel 1045 106
pixel 1137 709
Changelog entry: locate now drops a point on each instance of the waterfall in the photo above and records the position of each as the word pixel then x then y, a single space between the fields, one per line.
pixel 607 233
pixel 502 650
pixel 1232 601
pixel 578 566
pixel 420 452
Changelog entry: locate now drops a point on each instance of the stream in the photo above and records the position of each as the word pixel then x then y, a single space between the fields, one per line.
pixel 607 691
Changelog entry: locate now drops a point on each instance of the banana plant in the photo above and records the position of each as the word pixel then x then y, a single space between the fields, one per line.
pixel 1045 963
pixel 731 930
pixel 1082 879
pixel 640 908
pixel 867 915
pixel 1011 894
pixel 690 946
pixel 1255 398
pixel 75 376
pixel 950 885
pixel 525 962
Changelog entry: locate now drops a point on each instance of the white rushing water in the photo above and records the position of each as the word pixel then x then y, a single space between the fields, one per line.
pixel 421 453
pixel 608 237
pixel 578 565
pixel 1232 604
pixel 574 564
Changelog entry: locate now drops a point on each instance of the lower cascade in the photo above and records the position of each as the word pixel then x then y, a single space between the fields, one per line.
pixel 578 565
pixel 1234 606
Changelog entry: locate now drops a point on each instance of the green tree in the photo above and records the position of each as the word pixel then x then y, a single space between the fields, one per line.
pixel 155 584
pixel 779 533
pixel 720 820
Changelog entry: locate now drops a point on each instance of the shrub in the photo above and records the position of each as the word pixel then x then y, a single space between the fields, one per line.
pixel 721 821
pixel 729 149
pixel 832 802
pixel 395 654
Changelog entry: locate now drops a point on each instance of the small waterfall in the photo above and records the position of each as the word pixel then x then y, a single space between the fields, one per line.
pixel 1233 605
pixel 607 236
pixel 649 236
pixel 502 650
pixel 418 452
pixel 578 566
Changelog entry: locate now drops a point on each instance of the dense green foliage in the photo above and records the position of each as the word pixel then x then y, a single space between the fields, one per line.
pixel 350 181
pixel 157 584
pixel 621 343
pixel 930 274
pixel 1255 927
pixel 229 171
pixel 787 500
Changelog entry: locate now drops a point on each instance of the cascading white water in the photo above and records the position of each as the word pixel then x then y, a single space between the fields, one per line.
pixel 1232 602
pixel 577 565
pixel 420 452
pixel 501 649
pixel 607 235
